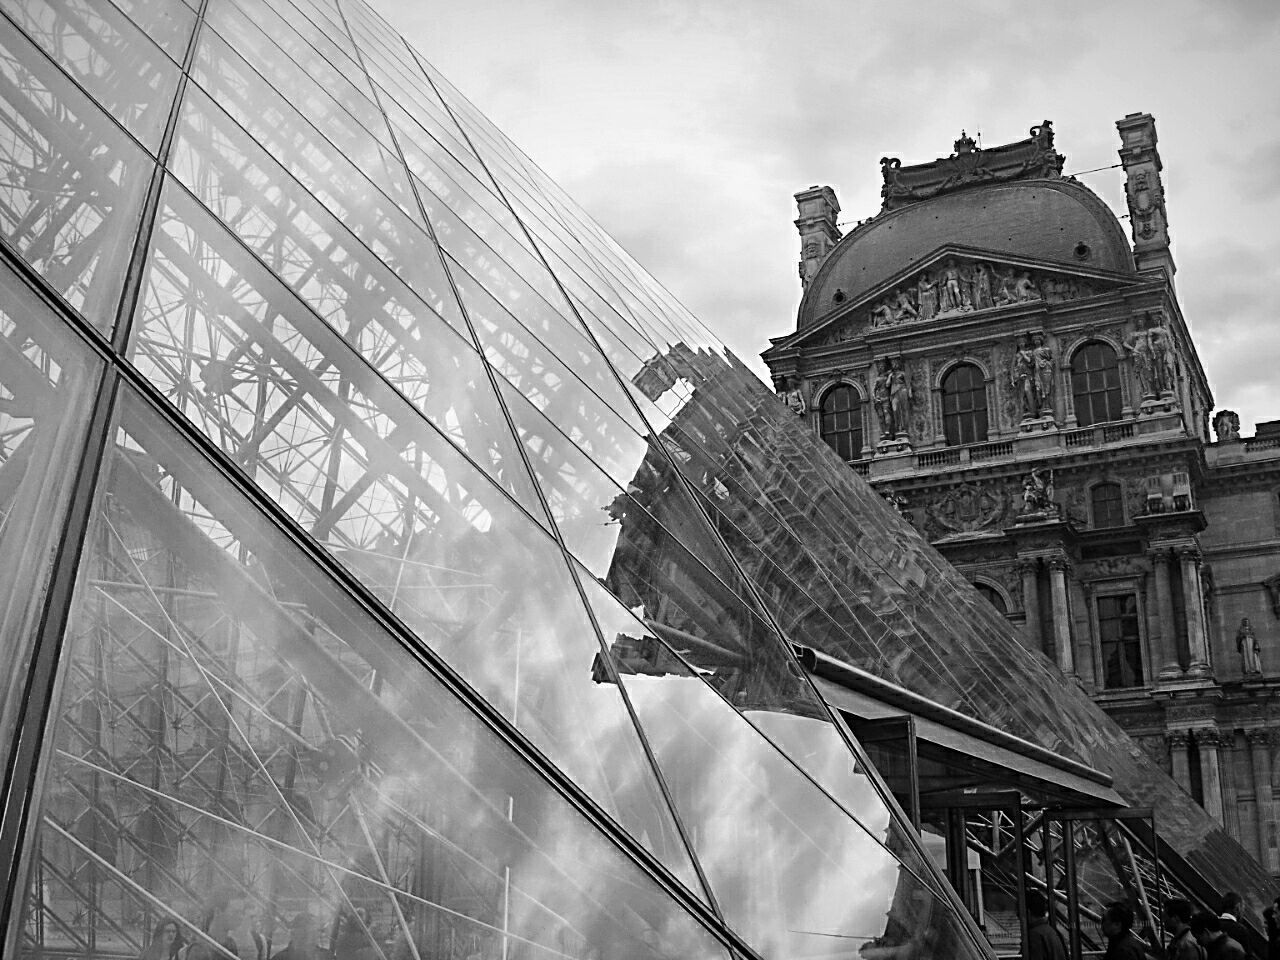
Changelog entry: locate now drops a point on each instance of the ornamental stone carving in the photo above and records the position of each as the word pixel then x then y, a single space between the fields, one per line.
pixel 1258 736
pixel 1151 351
pixel 1033 376
pixel 1178 739
pixel 967 508
pixel 1037 494
pixel 891 394
pixel 789 392
pixel 1249 649
pixel 1226 424
pixel 959 286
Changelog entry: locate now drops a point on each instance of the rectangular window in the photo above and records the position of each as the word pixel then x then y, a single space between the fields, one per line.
pixel 1121 641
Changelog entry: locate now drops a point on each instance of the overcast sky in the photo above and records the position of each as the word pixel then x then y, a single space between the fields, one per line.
pixel 685 127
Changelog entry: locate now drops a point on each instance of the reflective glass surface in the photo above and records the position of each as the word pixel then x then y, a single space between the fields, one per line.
pixel 71 182
pixel 47 382
pixel 99 46
pixel 442 571
pixel 240 750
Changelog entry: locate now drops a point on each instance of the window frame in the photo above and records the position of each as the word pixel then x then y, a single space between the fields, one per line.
pixel 857 424
pixel 958 424
pixel 1119 502
pixel 1085 396
pixel 1118 590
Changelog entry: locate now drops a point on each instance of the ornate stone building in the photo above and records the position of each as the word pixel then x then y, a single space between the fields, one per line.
pixel 997 358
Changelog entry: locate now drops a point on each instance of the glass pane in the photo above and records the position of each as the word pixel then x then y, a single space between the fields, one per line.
pixel 100 47
pixel 296 406
pixel 167 22
pixel 349 189
pixel 241 749
pixel 791 870
pixel 47 383
pixel 354 463
pixel 71 183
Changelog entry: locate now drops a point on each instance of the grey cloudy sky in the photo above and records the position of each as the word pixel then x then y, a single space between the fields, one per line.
pixel 685 126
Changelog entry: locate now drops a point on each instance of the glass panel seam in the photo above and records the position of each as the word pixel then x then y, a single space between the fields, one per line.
pixel 21 779
pixel 373 370
pixel 136 270
pixel 756 597
pixel 405 636
pixel 757 600
pixel 719 925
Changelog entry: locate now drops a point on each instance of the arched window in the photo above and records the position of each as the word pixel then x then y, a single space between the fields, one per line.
pixel 964 405
pixel 1106 505
pixel 1095 384
pixel 993 597
pixel 841 422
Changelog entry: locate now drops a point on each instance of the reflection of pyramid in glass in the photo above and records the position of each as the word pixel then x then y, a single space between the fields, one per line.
pixel 391 563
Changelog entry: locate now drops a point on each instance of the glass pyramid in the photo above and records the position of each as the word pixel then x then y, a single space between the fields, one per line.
pixel 390 564
pixel 372 594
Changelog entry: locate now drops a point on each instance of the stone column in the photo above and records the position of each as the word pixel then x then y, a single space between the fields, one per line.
pixel 1028 568
pixel 1193 603
pixel 1208 740
pixel 1263 798
pixel 1164 639
pixel 1179 759
pixel 1058 567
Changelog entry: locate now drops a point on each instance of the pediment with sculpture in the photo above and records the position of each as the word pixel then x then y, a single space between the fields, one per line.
pixel 956 285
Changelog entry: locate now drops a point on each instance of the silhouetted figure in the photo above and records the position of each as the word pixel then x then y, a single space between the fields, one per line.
pixel 1207 928
pixel 1122 942
pixel 1044 941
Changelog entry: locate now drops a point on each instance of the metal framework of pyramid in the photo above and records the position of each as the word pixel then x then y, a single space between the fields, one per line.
pixel 388 561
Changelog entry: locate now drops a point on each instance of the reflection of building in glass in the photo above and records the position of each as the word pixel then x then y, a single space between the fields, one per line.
pixel 392 567
pixel 1059 451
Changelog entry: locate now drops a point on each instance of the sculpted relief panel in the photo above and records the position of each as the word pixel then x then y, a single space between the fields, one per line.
pixel 960 286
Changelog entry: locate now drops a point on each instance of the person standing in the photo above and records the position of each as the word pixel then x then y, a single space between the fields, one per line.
pixel 1272 917
pixel 1182 944
pixel 1122 942
pixel 1207 928
pixel 1044 941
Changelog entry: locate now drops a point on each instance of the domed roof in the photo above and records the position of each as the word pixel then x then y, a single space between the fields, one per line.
pixel 1047 219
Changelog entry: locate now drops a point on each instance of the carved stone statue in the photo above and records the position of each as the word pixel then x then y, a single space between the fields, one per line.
pixel 881 314
pixel 899 398
pixel 1226 424
pixel 949 289
pixel 927 296
pixel 880 396
pixel 792 396
pixel 1142 355
pixel 981 286
pixel 1037 493
pixel 1044 376
pixel 1024 288
pixel 1249 649
pixel 1007 292
pixel 903 308
pixel 1024 379
pixel 1163 363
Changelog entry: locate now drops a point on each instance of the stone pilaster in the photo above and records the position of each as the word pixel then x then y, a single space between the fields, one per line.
pixel 1263 796
pixel 1208 740
pixel 1164 646
pixel 1193 602
pixel 1179 758
pixel 1029 569
pixel 1063 649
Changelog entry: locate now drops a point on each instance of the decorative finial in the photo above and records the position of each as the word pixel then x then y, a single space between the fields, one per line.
pixel 965 144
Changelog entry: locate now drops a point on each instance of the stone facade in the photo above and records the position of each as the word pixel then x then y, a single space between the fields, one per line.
pixel 1042 416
